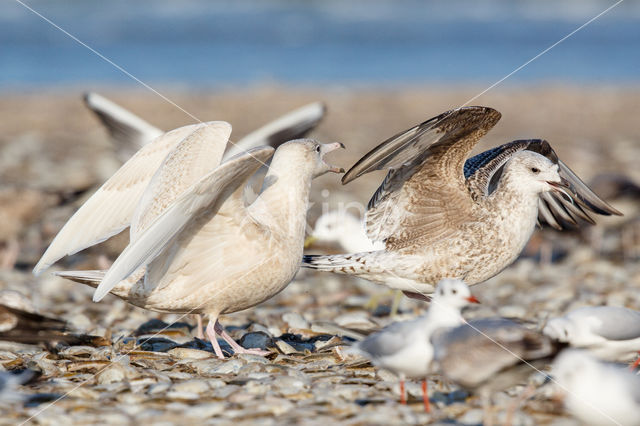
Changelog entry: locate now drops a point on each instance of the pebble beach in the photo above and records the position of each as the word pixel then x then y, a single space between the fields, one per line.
pixel 142 366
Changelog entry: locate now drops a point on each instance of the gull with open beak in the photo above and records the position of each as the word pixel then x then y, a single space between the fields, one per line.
pixel 205 250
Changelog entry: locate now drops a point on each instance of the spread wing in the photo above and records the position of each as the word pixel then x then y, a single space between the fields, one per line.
pixel 111 208
pixel 483 172
pixel 128 131
pixel 206 195
pixel 193 157
pixel 292 125
pixel 424 196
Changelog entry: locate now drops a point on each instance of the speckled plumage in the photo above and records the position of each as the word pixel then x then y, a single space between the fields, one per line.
pixel 443 217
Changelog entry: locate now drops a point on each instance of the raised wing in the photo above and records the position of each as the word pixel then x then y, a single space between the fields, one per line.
pixel 208 194
pixel 483 172
pixel 111 208
pixel 424 196
pixel 128 131
pixel 292 125
pixel 192 158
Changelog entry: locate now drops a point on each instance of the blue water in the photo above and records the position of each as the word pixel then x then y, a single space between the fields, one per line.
pixel 217 43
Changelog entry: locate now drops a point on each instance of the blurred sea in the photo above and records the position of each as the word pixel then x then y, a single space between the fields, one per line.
pixel 204 43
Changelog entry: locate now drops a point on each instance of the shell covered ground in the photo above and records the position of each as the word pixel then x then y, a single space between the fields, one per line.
pixel 135 369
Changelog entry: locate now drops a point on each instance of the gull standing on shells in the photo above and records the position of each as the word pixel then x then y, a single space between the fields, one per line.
pixel 131 133
pixel 195 246
pixel 610 333
pixel 405 348
pixel 440 216
pixel 595 392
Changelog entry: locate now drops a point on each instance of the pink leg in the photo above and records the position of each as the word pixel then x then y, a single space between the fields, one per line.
pixel 403 394
pixel 425 396
pixel 237 349
pixel 199 331
pixel 211 333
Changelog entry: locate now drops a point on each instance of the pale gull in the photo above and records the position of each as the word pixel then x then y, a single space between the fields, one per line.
pixel 595 392
pixel 610 333
pixel 405 348
pixel 441 216
pixel 206 251
pixel 344 229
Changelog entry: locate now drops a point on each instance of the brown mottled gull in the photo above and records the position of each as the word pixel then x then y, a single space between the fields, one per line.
pixel 206 251
pixel 443 216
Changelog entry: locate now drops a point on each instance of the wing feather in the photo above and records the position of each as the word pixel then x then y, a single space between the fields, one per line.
pixel 206 195
pixel 113 203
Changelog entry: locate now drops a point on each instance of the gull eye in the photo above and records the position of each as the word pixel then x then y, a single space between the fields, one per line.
pixel 535 170
pixel 455 291
pixel 318 148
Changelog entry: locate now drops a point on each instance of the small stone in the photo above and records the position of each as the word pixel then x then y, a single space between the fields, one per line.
pixel 472 417
pixel 256 340
pixel 187 353
pixel 112 374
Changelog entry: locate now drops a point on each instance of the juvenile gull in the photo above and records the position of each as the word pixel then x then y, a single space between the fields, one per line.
pixel 440 216
pixel 405 348
pixel 205 250
pixel 610 333
pixel 595 392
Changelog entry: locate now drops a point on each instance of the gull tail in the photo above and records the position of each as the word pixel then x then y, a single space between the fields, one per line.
pixel 94 278
pixel 90 278
pixel 351 264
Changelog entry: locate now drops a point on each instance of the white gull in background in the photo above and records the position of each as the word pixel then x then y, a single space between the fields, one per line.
pixel 346 230
pixel 404 347
pixel 441 215
pixel 595 392
pixel 610 333
pixel 202 249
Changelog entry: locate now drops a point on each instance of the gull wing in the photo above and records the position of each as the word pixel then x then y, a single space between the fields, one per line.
pixel 292 125
pixel 192 158
pixel 110 209
pixel 208 194
pixel 613 322
pixel 424 196
pixel 128 131
pixel 483 172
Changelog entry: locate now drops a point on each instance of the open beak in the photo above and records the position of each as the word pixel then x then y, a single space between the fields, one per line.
pixel 472 299
pixel 327 148
pixel 561 186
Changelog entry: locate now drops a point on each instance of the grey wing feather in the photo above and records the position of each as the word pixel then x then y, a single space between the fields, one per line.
pixel 616 323
pixel 292 125
pixel 129 131
pixel 387 341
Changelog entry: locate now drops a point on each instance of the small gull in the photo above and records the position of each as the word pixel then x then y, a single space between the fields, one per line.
pixel 491 354
pixel 441 216
pixel 610 333
pixel 204 250
pixel 595 392
pixel 404 347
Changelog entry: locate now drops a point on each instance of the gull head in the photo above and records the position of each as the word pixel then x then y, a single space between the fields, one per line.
pixel 311 154
pixel 535 172
pixel 453 293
